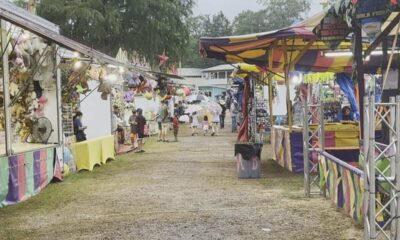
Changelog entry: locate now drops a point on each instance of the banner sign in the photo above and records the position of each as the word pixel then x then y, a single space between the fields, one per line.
pixel 332 30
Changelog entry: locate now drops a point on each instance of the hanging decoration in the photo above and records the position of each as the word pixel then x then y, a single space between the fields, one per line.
pixel 163 59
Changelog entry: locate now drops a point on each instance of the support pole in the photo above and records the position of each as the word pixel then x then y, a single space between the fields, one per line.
pixel 6 89
pixel 393 191
pixel 360 72
pixel 321 139
pixel 59 103
pixel 270 100
pixel 370 161
pixel 366 176
pixel 306 151
pixel 397 160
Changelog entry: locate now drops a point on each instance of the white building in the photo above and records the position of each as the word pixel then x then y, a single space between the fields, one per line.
pixel 210 81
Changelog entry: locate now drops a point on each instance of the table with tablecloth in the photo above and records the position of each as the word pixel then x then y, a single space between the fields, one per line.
pixel 93 152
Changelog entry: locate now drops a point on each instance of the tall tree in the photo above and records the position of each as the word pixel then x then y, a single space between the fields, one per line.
pixel 284 13
pixel 251 22
pixel 217 25
pixel 144 26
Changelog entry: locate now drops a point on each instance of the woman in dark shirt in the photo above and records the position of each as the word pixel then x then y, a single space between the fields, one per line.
pixel 78 128
pixel 140 124
pixel 346 112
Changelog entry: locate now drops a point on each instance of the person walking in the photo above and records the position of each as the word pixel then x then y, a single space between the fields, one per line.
pixel 234 115
pixel 215 123
pixel 175 125
pixel 162 120
pixel 79 129
pixel 132 122
pixel 140 123
pixel 222 114
pixel 195 123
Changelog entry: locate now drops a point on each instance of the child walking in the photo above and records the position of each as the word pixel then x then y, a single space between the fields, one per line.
pixel 175 125
pixel 205 125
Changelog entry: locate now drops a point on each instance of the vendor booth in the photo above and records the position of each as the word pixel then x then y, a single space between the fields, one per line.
pixel 31 130
pixel 286 55
pixel 39 93
pixel 326 150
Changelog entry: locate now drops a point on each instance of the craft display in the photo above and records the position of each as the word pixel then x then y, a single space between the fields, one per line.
pixel 32 74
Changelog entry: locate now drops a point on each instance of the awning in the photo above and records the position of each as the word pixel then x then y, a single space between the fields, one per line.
pixel 304 51
pixel 46 30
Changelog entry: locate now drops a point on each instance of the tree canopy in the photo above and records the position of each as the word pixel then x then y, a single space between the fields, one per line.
pixel 148 27
pixel 275 14
pixel 217 25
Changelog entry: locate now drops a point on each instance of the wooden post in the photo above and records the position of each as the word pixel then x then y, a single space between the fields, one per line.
pixel 358 53
pixel 286 69
pixel 6 88
pixel 270 99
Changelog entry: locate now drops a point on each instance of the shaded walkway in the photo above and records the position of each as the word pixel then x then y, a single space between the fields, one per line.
pixel 186 190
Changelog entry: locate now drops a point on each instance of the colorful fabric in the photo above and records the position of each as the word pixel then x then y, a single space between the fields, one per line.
pixel 268 49
pixel 287 149
pixel 25 175
pixel 343 186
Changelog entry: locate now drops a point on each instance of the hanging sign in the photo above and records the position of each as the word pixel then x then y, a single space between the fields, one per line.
pixel 372 27
pixel 332 30
pixel 371 8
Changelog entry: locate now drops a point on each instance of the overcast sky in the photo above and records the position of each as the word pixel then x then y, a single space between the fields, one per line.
pixel 231 8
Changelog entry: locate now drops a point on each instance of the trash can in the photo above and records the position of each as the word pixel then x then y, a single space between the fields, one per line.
pixel 248 159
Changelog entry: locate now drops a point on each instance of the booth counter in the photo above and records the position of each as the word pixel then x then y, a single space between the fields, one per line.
pixel 26 174
pixel 341 140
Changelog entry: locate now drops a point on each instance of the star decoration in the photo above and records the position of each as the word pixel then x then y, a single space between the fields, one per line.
pixel 163 59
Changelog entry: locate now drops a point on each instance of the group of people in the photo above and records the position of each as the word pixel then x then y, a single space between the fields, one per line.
pixel 165 121
pixel 217 121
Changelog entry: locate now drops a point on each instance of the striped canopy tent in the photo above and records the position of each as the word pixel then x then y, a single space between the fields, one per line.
pixel 292 48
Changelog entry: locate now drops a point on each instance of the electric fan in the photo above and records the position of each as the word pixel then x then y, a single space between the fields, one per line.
pixel 41 130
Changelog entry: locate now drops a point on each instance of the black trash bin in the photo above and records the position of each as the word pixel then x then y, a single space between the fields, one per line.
pixel 248 159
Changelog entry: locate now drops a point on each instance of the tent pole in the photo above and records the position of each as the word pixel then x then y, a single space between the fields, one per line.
pixel 59 102
pixel 6 89
pixel 286 69
pixel 270 99
pixel 358 53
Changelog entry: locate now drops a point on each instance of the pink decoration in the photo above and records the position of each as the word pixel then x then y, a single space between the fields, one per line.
pixel 187 90
pixel 40 108
pixel 163 59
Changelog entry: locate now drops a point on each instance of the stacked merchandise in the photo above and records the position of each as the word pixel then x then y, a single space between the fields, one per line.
pixel 263 128
pixel 67 118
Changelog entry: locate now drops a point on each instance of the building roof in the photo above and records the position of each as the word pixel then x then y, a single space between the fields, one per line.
pixel 189 72
pixel 223 67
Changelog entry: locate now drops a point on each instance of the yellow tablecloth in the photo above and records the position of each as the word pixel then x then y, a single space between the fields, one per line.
pixel 94 151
